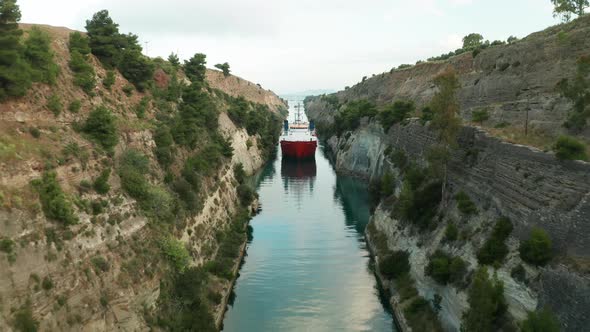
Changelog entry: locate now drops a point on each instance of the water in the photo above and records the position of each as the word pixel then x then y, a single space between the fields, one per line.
pixel 307 267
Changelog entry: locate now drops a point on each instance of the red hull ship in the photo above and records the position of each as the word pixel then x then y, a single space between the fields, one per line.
pixel 298 140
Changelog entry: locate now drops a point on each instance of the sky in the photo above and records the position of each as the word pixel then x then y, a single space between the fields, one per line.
pixel 290 46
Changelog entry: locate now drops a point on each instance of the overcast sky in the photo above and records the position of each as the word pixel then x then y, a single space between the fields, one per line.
pixel 295 45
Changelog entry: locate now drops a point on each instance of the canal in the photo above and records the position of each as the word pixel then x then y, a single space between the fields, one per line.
pixel 307 266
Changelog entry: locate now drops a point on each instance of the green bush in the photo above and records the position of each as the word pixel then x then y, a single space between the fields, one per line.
pixel 224 67
pixel 176 253
pixel 195 68
pixel 487 304
pixel 480 116
pixel 421 317
pixel 239 173
pixel 35 132
pixel 38 53
pixel 84 75
pixel 55 204
pixel 100 264
pixel 109 80
pixel 537 249
pixel 54 104
pixel 395 113
pixel 101 128
pixel 7 245
pixel 127 90
pixel 494 249
pixel 419 198
pixel 24 320
pixel 568 148
pixel 47 283
pixel 164 145
pixel 464 204
pixel 75 106
pixel 78 42
pixel 15 73
pixel 519 273
pixel 349 117
pixel 142 107
pixel 136 68
pixel 133 167
pixel 181 307
pixel 444 268
pixel 540 321
pixel 427 115
pixel 451 233
pixel 394 264
pixel 246 194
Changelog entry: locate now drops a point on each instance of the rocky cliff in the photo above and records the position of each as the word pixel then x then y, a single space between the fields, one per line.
pixel 527 185
pixel 104 272
pixel 507 80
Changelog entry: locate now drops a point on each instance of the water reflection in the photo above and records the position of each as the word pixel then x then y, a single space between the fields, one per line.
pixel 298 177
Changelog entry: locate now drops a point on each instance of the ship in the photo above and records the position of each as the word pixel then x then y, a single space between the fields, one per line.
pixel 298 140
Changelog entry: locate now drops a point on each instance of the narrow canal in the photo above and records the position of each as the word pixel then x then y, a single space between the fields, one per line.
pixel 307 267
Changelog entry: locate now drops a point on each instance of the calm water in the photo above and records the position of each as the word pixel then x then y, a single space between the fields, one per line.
pixel 307 267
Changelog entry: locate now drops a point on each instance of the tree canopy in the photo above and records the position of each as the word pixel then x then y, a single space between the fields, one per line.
pixel 566 8
pixel 224 67
pixel 14 71
pixel 472 41
pixel 195 68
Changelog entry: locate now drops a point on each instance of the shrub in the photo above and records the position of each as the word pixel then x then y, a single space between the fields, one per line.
pixel 537 249
pixel 486 303
pixel 101 183
pixel 421 316
pixel 101 128
pixel 47 283
pixel 395 113
pixel 246 194
pixel 37 52
pixel 141 107
pixel 53 200
pixel 136 68
pixel 176 253
pixel 84 75
pixel 540 321
pixel 24 320
pixel 494 249
pixel 568 148
pixel 133 167
pixel 348 118
pixel 128 90
pixel 480 116
pixel 395 264
pixel 54 104
pixel 464 204
pixel 444 268
pixel 100 264
pixel 451 233
pixel 387 185
pixel 427 115
pixel 15 73
pixel 224 67
pixel 35 132
pixel 419 199
pixel 75 106
pixel 164 145
pixel 239 173
pixel 7 245
pixel 109 80
pixel 79 42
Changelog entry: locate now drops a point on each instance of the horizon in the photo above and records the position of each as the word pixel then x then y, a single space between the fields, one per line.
pixel 326 53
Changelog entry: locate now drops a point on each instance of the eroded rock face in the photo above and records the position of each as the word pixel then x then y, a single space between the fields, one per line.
pixel 529 186
pixel 508 80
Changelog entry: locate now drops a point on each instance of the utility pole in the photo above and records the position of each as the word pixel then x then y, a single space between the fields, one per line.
pixel 146 48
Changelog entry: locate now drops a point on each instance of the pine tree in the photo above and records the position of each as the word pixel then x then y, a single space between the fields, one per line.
pixel 105 39
pixel 14 72
pixel 39 55
pixel 195 68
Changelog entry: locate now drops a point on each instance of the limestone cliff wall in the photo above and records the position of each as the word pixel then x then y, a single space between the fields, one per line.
pixel 81 293
pixel 529 186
